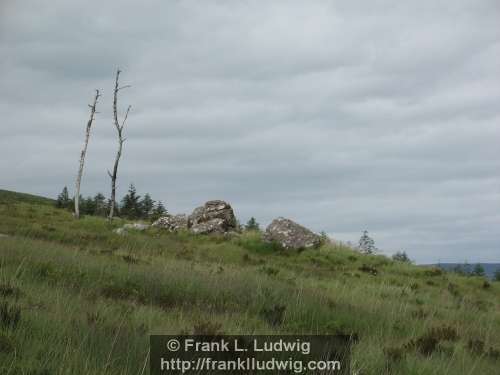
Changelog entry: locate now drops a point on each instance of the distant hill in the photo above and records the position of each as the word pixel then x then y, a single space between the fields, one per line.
pixel 489 268
pixel 7 196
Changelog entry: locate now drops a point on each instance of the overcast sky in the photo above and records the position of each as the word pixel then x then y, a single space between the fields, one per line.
pixel 341 115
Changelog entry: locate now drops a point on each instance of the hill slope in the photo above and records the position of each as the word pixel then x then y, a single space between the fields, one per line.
pixel 76 298
pixel 7 196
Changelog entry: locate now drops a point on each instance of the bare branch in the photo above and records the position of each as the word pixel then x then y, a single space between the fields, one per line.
pixel 124 87
pixel 126 116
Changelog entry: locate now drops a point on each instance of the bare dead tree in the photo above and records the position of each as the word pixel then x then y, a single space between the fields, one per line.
pixel 119 131
pixel 83 153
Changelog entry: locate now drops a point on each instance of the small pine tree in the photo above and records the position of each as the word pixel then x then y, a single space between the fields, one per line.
pixel 63 200
pixel 158 211
pixel 496 275
pixel 478 270
pixel 88 206
pixel 401 256
pixel 252 225
pixel 459 269
pixel 366 244
pixel 131 207
pixel 100 207
pixel 147 206
pixel 82 204
pixel 116 211
pixel 325 239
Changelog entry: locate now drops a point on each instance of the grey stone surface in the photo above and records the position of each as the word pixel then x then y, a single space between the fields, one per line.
pixel 136 226
pixel 133 226
pixel 172 223
pixel 213 217
pixel 291 235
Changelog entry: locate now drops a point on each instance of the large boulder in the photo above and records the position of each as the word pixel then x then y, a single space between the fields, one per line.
pixel 291 235
pixel 213 217
pixel 172 223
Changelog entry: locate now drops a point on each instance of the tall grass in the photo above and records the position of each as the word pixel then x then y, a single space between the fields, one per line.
pixel 75 298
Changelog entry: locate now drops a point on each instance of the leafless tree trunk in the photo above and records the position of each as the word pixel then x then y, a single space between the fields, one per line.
pixel 119 130
pixel 83 153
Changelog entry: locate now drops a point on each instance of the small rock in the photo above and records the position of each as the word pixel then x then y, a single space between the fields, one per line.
pixel 3 235
pixel 120 231
pixel 291 235
pixel 133 226
pixel 136 226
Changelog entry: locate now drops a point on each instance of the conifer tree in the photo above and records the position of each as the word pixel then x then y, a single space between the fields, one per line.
pixel 88 206
pixel 496 275
pixel 366 244
pixel 147 206
pixel 100 206
pixel 401 256
pixel 63 200
pixel 158 211
pixel 252 224
pixel 478 270
pixel 131 206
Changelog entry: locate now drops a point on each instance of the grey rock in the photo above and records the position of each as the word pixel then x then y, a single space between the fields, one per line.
pixel 213 217
pixel 120 231
pixel 211 226
pixel 133 226
pixel 291 235
pixel 136 226
pixel 172 223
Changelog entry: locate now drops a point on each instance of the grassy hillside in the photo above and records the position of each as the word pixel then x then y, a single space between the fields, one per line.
pixel 7 197
pixel 76 298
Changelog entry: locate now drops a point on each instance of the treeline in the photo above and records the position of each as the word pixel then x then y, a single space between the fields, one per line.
pixel 131 206
pixel 467 269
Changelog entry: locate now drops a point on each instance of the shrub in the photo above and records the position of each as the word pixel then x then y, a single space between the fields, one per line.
pixel 7 290
pixel 6 345
pixel 428 342
pixel 434 271
pixel 476 346
pixel 274 315
pixel 368 269
pixel 453 289
pixel 9 315
pixel 394 354
pixel 207 328
pixel 270 271
pixel 496 275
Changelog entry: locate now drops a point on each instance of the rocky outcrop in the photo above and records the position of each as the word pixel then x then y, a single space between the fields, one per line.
pixel 213 217
pixel 291 235
pixel 172 223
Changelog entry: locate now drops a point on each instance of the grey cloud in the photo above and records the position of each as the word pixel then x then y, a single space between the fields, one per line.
pixel 341 115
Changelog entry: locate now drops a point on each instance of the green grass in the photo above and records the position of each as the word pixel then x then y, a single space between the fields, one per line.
pixel 7 197
pixel 75 298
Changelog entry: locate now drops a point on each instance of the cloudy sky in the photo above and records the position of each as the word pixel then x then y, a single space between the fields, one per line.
pixel 341 115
